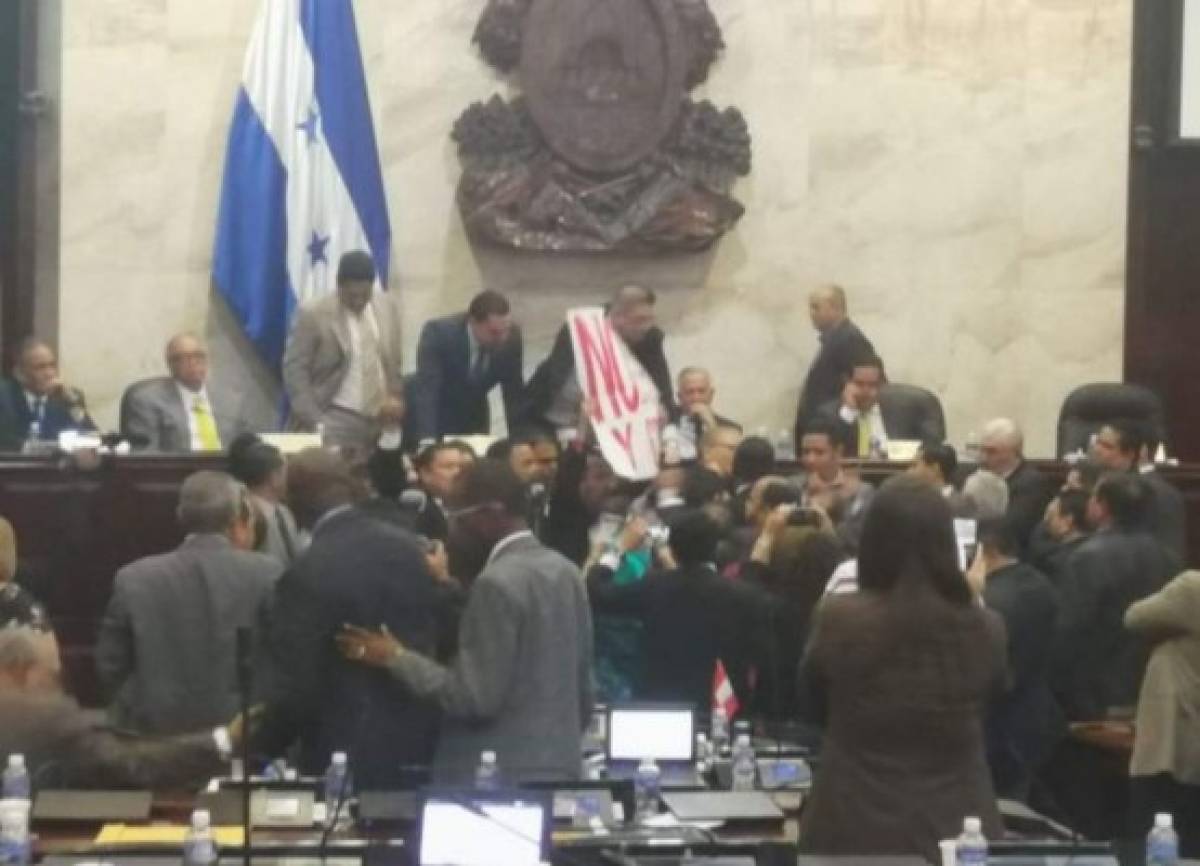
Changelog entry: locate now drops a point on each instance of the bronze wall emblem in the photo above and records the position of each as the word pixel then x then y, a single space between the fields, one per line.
pixel 604 151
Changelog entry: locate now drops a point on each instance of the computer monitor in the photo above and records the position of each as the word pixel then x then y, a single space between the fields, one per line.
pixel 477 828
pixel 662 732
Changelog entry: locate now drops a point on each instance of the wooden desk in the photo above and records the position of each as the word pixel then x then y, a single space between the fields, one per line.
pixel 77 526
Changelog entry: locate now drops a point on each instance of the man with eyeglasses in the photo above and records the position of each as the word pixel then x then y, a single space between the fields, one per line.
pixel 521 684
pixel 179 412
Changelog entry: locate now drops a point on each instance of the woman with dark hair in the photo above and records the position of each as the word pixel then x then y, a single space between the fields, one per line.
pixel 901 674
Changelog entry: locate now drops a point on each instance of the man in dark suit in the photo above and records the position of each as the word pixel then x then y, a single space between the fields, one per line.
pixel 869 416
pixel 1002 451
pixel 357 569
pixel 697 417
pixel 1124 446
pixel 35 395
pixel 841 343
pixel 66 746
pixel 1098 664
pixel 460 358
pixel 553 396
pixel 1024 724
pixel 179 413
pixel 166 654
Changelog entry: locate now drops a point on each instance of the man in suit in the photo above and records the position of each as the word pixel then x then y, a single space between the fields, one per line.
pixel 460 358
pixel 869 416
pixel 554 397
pixel 521 684
pixel 1025 723
pixel 358 568
pixel 826 484
pixel 341 367
pixel 1098 665
pixel 1001 451
pixel 66 746
pixel 696 395
pixel 179 413
pixel 35 395
pixel 166 653
pixel 841 343
pixel 261 468
pixel 1124 446
pixel 1063 529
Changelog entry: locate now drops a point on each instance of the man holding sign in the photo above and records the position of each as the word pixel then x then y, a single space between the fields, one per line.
pixel 586 356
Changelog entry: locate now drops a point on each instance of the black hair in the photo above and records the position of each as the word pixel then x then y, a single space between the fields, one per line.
pixel 1131 436
pixel 1126 496
pixel 942 456
pixel 776 493
pixel 426 455
pixel 1089 473
pixel 493 481
pixel 702 486
pixel 694 536
pixel 356 266
pixel 488 303
pixel 998 534
pixel 753 459
pixel 827 428
pixel 252 461
pixel 1074 504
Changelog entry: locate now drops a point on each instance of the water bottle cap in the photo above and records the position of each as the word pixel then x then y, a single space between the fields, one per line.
pixel 488 757
pixel 1163 821
pixel 339 758
pixel 972 825
pixel 701 737
pixel 16 762
pixel 201 819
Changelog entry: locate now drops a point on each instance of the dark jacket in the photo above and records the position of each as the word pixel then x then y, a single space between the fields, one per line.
pixel 550 376
pixel 1029 491
pixel 1025 723
pixel 905 678
pixel 694 617
pixel 902 419
pixel 840 347
pixel 15 417
pixel 445 399
pixel 1098 663
pixel 357 570
pixel 1167 519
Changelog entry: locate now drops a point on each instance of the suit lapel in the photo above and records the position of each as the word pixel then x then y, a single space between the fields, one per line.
pixel 178 433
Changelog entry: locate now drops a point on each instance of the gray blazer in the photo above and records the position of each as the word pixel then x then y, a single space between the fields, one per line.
pixel 166 652
pixel 153 416
pixel 318 355
pixel 521 684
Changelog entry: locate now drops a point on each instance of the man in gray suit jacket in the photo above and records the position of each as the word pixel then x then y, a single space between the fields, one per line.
pixel 166 653
pixel 341 368
pixel 178 412
pixel 521 684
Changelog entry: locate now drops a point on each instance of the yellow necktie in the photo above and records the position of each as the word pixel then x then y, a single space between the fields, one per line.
pixel 206 427
pixel 864 437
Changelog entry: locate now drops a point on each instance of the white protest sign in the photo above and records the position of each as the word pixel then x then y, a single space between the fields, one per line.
pixel 623 399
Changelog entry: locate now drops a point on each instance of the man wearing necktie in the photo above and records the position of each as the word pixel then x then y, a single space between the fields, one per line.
pixel 859 411
pixel 35 403
pixel 341 369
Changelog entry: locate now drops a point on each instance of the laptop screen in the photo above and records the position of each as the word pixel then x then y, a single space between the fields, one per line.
pixel 660 733
pixel 470 830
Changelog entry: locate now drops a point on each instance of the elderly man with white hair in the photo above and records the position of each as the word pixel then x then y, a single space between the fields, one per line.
pixel 1001 451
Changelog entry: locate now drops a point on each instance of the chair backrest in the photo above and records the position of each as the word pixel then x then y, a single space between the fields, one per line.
pixel 919 404
pixel 1089 407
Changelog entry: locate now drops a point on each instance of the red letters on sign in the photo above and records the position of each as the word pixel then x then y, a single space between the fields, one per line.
pixel 600 354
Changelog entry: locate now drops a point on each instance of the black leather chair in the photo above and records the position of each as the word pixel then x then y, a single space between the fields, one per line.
pixel 918 410
pixel 1089 407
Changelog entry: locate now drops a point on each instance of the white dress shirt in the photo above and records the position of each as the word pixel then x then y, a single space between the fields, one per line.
pixel 350 392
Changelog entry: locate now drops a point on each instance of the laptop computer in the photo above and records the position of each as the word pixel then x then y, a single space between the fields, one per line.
pixel 483 828
pixel 664 733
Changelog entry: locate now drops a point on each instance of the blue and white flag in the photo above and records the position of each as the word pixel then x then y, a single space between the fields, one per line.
pixel 302 181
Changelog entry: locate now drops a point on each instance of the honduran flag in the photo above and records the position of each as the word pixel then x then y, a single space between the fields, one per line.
pixel 302 181
pixel 723 696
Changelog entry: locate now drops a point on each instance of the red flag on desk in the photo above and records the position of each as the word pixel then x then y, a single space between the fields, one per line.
pixel 723 695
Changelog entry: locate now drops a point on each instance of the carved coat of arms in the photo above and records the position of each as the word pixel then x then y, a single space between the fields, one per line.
pixel 603 150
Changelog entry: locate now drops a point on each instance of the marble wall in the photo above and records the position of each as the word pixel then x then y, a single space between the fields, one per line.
pixel 959 165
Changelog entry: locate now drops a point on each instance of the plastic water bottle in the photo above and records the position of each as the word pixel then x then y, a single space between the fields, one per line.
pixel 1162 845
pixel 487 774
pixel 720 730
pixel 199 849
pixel 16 779
pixel 34 436
pixel 744 767
pixel 14 832
pixel 337 787
pixel 704 756
pixel 972 845
pixel 646 786
pixel 785 446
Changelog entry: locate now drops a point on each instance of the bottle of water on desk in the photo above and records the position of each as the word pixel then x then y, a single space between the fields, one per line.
pixel 646 787
pixel 337 788
pixel 720 731
pixel 487 774
pixel 744 767
pixel 972 845
pixel 785 445
pixel 199 849
pixel 33 436
pixel 1162 845
pixel 16 779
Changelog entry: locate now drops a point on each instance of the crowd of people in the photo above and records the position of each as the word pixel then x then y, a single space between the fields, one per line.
pixel 418 608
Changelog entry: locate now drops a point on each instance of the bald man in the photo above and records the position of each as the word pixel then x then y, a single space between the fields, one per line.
pixel 179 413
pixel 841 343
pixel 1002 451
pixel 553 395
pixel 35 403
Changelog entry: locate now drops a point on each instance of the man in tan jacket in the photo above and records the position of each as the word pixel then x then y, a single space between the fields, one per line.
pixel 341 368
